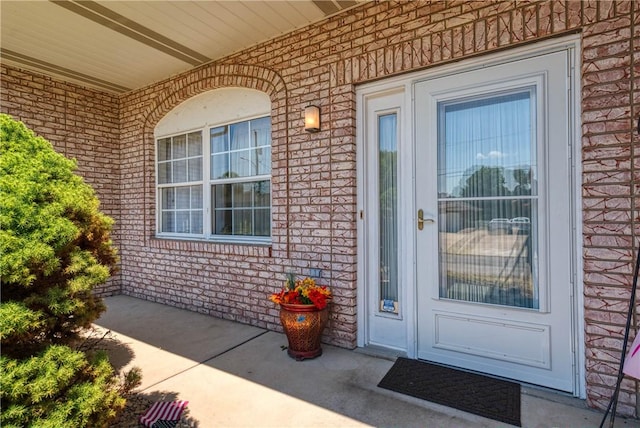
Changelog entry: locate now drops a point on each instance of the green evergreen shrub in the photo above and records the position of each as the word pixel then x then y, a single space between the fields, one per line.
pixel 55 247
pixel 59 388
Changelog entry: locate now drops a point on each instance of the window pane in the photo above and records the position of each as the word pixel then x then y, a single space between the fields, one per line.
pixel 488 200
pixel 183 198
pixel 168 199
pixel 222 195
pixel 179 147
pixel 262 194
pixel 388 214
pixel 240 163
pixel 196 196
pixel 219 140
pixel 223 224
pixel 524 183
pixel 253 167
pixel 168 221
pixel 249 150
pixel 179 171
pixel 489 261
pixel 242 224
pixel 195 169
pixel 261 132
pixel 242 208
pixel 263 160
pixel 220 166
pixel 242 195
pixel 487 141
pixel 239 136
pixel 181 206
pixel 194 146
pixel 164 173
pixel 164 149
pixel 196 222
pixel 262 222
pixel 182 221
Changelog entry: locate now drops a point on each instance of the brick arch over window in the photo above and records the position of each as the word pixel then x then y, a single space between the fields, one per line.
pixel 206 79
pixel 215 77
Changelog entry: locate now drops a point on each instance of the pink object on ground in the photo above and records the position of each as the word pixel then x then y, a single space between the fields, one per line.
pixel 165 411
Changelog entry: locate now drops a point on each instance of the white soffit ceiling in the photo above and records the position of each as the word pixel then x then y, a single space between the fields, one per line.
pixel 118 46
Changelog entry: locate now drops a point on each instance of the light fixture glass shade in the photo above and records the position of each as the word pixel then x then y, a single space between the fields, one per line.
pixel 312 118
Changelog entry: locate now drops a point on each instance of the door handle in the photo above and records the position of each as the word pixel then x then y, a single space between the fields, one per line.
pixel 422 220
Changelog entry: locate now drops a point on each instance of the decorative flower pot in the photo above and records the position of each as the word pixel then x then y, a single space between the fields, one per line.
pixel 303 325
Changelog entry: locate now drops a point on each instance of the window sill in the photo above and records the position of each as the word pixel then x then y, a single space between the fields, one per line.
pixel 255 249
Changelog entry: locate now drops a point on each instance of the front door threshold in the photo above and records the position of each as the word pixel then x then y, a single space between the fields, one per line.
pixel 381 352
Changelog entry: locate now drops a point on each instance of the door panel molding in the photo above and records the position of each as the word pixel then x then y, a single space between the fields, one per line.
pixel 532 345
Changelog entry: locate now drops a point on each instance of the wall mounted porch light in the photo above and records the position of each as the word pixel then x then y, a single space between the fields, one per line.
pixel 312 118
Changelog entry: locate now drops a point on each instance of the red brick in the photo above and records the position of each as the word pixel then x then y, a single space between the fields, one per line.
pixel 314 187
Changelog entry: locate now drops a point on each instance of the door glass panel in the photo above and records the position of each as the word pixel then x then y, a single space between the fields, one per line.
pixel 388 194
pixel 487 199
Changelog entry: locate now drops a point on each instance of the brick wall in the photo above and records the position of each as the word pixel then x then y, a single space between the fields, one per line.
pixel 80 123
pixel 314 175
pixel 610 161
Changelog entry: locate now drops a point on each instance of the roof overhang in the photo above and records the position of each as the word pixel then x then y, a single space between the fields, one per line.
pixel 118 46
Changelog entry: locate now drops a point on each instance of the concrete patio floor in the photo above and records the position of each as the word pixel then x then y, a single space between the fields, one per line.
pixel 235 375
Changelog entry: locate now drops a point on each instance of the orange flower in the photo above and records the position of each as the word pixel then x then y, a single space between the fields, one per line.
pixel 303 291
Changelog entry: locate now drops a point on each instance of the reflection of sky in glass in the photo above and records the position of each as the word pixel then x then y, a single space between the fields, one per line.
pixel 243 151
pixel 387 129
pixel 493 131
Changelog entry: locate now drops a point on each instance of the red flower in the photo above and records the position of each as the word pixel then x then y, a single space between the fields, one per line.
pixel 318 299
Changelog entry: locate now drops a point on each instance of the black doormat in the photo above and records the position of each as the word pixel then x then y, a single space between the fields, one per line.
pixel 485 396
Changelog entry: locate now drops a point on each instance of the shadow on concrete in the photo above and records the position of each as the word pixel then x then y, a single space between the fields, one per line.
pixel 99 339
pixel 121 356
pixel 238 375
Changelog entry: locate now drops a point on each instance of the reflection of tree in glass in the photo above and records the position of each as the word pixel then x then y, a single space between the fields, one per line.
pixel 500 278
pixel 523 178
pixel 229 174
pixel 486 181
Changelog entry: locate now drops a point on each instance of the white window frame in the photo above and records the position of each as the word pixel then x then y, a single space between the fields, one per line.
pixel 222 107
pixel 171 184
pixel 210 182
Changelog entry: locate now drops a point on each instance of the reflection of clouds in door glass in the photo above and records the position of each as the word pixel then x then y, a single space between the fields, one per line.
pixel 494 154
pixel 495 131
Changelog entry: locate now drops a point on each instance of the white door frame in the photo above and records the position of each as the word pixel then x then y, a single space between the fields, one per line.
pixel 407 190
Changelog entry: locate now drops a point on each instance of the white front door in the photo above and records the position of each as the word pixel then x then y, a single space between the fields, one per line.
pixel 493 220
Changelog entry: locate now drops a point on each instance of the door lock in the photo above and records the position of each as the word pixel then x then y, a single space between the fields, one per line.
pixel 422 220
